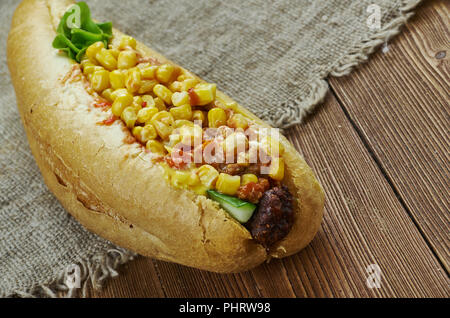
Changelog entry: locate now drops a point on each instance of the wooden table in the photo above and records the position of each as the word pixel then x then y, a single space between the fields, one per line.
pixel 379 145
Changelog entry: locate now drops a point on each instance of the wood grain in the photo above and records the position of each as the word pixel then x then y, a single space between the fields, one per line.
pixel 364 223
pixel 380 154
pixel 399 103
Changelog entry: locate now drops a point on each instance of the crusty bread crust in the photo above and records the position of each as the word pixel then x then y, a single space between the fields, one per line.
pixel 110 186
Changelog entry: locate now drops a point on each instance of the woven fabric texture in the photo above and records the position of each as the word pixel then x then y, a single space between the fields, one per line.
pixel 271 56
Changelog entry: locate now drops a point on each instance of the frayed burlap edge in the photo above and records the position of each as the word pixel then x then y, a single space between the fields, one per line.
pixel 295 111
pixel 94 270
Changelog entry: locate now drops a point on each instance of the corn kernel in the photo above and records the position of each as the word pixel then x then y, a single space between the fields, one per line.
pixel 189 134
pixel 117 79
pixel 181 112
pixel 182 77
pixel 137 131
pixel 249 177
pixel 127 59
pixel 93 49
pixel 119 92
pixel 120 103
pixel 175 86
pixel 115 53
pixel 193 179
pixel 133 80
pixel 85 60
pixel 206 93
pixel 106 94
pixel 90 68
pixel 271 146
pixel 129 116
pixel 216 117
pixel 188 84
pixel 180 179
pixel 100 80
pixel 106 59
pixel 237 141
pixel 145 114
pixel 155 147
pixel 180 98
pixel 232 106
pixel 147 86
pixel 208 175
pixel 199 189
pixel 163 121
pixel 149 72
pixel 148 132
pixel 163 92
pixel 276 169
pixel 238 121
pixel 164 117
pixel 199 117
pixel 228 184
pixel 166 73
pixel 182 122
pixel 159 103
pixel 127 42
pixel 174 139
pixel 137 103
pixel 149 101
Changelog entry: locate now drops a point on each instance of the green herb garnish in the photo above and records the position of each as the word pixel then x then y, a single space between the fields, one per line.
pixel 76 31
pixel 239 209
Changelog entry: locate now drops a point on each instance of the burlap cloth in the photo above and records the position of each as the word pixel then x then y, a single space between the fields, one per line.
pixel 271 56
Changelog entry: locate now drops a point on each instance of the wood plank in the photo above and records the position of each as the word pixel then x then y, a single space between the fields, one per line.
pixel 364 223
pixel 400 104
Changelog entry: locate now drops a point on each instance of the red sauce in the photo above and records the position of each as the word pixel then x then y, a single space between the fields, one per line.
pixel 103 104
pixel 109 121
pixel 193 97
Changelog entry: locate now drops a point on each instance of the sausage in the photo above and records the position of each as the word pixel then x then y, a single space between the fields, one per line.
pixel 274 217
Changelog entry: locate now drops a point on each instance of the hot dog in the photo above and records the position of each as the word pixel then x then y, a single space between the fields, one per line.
pixel 149 156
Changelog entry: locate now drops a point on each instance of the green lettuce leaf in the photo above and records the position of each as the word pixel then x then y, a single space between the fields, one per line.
pixel 76 31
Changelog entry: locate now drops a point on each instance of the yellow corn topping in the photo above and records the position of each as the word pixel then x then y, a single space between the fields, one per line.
pixel 208 175
pixel 106 59
pixel 182 112
pixel 249 177
pixel 117 79
pixel 217 117
pixel 228 184
pixel 126 59
pixel 100 80
pixel 180 98
pixel 129 116
pixel 166 73
pixel 155 147
pixel 277 169
pixel 206 93
pixel 160 103
pixel 133 80
pixel 163 92
pixel 93 49
pixel 145 114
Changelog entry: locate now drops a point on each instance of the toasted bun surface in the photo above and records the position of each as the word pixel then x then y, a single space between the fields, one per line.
pixel 110 186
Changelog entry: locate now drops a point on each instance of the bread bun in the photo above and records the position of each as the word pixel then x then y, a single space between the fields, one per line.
pixel 108 185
